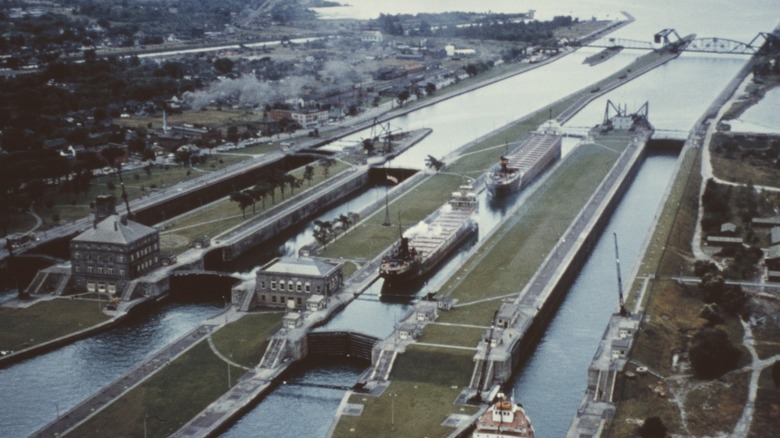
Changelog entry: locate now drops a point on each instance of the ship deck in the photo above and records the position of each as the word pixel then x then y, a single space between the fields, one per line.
pixel 443 227
pixel 531 151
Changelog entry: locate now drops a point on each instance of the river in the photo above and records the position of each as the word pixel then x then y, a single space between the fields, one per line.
pixel 677 95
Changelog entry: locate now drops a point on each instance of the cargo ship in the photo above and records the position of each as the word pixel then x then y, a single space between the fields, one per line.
pixel 504 419
pixel 430 242
pixel 517 169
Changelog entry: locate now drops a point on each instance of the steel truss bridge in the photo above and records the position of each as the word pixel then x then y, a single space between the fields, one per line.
pixel 669 39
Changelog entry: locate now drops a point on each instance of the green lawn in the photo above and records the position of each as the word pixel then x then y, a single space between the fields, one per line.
pixel 46 320
pixel 186 386
pixel 510 258
pixel 425 385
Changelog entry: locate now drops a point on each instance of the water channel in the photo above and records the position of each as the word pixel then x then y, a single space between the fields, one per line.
pixel 36 389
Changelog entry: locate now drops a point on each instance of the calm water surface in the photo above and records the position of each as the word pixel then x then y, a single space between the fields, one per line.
pixel 552 382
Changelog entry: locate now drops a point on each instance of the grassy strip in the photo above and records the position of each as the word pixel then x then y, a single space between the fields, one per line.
pixel 224 214
pixel 767 402
pixel 168 400
pixel 369 238
pixel 46 320
pixel 419 399
pixel 452 335
pixel 510 258
pixel 186 386
pixel 245 340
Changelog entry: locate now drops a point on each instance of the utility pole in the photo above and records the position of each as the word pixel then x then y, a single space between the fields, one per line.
pixel 387 222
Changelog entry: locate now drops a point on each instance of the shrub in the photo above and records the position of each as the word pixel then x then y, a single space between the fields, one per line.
pixel 652 427
pixel 712 353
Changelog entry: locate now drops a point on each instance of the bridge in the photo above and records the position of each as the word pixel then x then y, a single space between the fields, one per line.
pixel 189 272
pixel 669 39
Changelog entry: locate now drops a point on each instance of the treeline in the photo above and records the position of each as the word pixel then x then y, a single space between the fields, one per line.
pixel 33 106
pixel 503 27
pixel 496 28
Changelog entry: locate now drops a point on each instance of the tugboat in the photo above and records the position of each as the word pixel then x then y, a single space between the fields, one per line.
pixel 517 169
pixel 415 255
pixel 504 419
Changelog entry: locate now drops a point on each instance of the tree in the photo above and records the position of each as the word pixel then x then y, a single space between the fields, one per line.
pixel 712 354
pixel 223 65
pixel 652 427
pixel 403 96
pixel 308 174
pixel 776 373
pixel 243 199
pixel 432 163
pixel 326 163
pixel 184 154
pixel 232 133
pixel 112 154
pixel 430 88
pixel 293 182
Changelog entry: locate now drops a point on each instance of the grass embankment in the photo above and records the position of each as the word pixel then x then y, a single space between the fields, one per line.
pixel 744 159
pixel 507 261
pixel 223 214
pixel 187 385
pixel 422 376
pixel 47 320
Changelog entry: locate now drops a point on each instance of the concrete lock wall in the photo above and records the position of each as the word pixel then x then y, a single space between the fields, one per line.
pixel 279 225
pixel 522 346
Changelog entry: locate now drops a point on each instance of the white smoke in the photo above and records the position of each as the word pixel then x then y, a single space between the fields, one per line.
pixel 423 229
pixel 339 72
pixel 247 91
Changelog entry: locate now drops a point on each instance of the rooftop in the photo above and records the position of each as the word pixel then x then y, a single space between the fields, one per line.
pixel 301 266
pixel 113 230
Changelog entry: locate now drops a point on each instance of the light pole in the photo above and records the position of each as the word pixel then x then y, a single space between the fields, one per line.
pixel 387 222
pixel 228 366
pixel 392 395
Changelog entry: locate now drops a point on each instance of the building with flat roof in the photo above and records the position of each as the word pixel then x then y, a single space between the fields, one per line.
pixel 291 282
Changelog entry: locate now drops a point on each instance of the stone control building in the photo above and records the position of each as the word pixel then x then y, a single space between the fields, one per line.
pixel 113 252
pixel 290 282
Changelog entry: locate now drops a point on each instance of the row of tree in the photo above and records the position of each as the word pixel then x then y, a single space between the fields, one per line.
pixel 276 179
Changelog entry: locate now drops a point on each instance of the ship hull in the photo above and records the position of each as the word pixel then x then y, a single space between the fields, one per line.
pixel 526 162
pixel 417 272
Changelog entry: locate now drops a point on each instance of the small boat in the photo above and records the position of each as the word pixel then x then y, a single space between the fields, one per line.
pixel 504 419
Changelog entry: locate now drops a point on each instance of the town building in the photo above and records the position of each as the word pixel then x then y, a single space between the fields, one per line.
pixel 291 282
pixel 304 117
pixel 106 257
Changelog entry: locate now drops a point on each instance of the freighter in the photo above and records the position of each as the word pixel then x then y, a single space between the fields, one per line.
pixel 428 244
pixel 515 170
